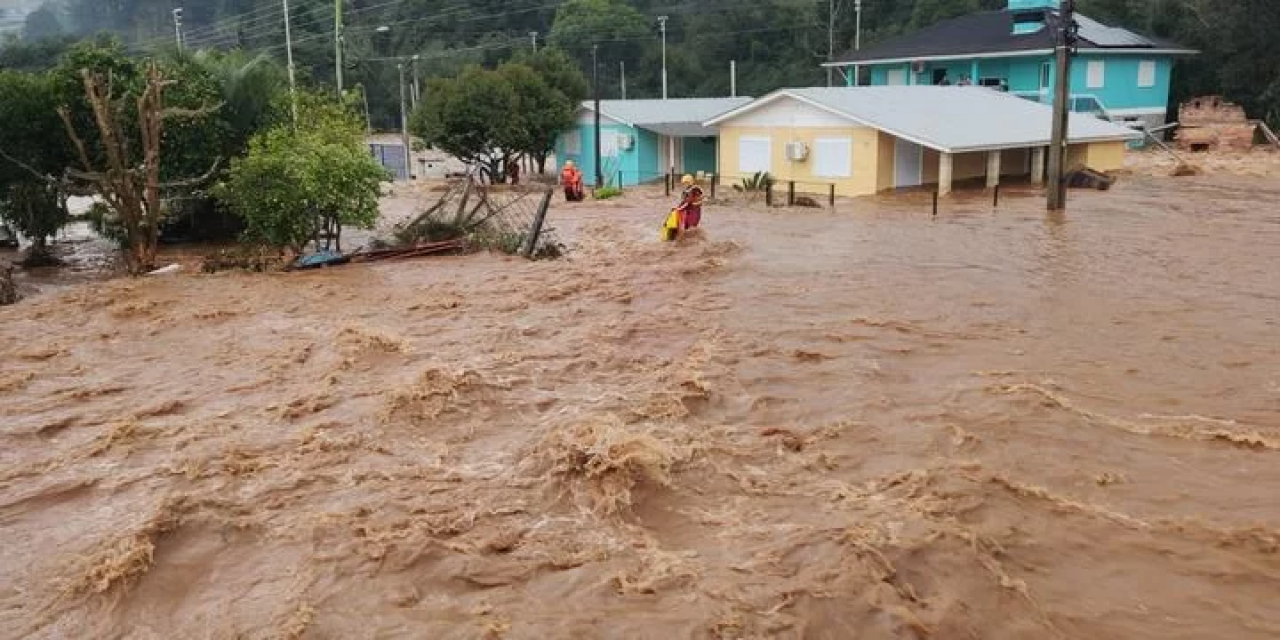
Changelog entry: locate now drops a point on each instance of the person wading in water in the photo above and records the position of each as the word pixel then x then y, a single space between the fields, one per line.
pixel 688 214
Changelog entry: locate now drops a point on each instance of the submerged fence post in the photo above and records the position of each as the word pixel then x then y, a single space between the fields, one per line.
pixel 996 201
pixel 832 196
pixel 791 193
pixel 666 179
pixel 935 204
pixel 768 194
pixel 531 243
pixel 619 182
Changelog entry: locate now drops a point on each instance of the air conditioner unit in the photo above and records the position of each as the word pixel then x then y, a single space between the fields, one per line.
pixel 626 142
pixel 797 151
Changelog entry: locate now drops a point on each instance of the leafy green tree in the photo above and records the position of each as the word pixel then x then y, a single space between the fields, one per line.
pixel 472 116
pixel 617 25
pixel 558 70
pixel 541 113
pixel 294 179
pixel 33 156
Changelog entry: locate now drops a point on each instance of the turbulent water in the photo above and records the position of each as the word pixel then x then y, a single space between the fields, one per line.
pixel 870 423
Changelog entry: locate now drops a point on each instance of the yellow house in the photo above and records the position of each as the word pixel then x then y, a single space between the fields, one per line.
pixel 869 139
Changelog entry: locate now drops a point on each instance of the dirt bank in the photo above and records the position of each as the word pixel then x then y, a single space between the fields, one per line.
pixel 803 424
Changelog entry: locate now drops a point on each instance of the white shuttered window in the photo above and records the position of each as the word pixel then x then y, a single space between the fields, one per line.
pixel 833 157
pixel 1097 74
pixel 1147 73
pixel 755 155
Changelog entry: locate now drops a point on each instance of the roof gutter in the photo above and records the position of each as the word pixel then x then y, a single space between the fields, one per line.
pixel 1015 54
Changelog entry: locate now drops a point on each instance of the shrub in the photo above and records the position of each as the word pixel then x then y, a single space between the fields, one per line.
pixel 608 193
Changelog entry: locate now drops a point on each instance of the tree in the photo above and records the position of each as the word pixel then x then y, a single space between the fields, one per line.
pixel 617 25
pixel 119 154
pixel 294 181
pixel 32 160
pixel 471 116
pixel 541 113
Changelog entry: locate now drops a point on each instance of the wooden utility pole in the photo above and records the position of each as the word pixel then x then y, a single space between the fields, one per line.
pixel 595 88
pixel 1066 42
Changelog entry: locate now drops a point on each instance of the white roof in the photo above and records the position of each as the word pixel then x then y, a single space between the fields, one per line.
pixel 681 117
pixel 950 119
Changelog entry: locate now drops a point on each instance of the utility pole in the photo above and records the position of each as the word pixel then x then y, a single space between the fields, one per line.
pixel 533 35
pixel 288 47
pixel 831 40
pixel 595 88
pixel 622 69
pixel 1066 42
pixel 404 127
pixel 857 39
pixel 662 24
pixel 177 27
pixel 733 78
pixel 337 42
pixel 416 87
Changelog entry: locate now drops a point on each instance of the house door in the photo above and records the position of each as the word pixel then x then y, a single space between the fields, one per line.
pixel 908 164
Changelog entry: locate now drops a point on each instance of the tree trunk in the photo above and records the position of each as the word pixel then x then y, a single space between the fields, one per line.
pixel 542 162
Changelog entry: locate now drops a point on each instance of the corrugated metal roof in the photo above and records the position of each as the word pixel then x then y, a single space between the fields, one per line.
pixel 681 117
pixel 949 119
pixel 1107 37
pixel 989 33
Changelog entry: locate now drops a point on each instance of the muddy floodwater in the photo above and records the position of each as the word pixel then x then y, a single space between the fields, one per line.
pixel 867 423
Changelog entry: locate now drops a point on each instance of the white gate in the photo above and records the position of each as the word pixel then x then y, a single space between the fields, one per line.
pixel 908 164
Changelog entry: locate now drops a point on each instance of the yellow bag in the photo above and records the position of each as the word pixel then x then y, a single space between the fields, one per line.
pixel 671 227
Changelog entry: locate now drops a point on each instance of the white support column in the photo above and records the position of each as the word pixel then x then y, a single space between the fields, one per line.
pixel 946 164
pixel 1037 165
pixel 993 169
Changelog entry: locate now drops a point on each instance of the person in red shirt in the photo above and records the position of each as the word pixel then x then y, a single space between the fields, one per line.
pixel 690 207
pixel 571 180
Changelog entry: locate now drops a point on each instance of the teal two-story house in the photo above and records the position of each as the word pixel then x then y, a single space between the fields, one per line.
pixel 1118 75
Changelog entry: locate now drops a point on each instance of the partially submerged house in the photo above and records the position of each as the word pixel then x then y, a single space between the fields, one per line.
pixel 643 140
pixel 869 139
pixel 1119 75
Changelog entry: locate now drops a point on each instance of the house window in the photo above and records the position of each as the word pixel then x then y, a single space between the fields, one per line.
pixel 1147 73
pixel 896 77
pixel 833 157
pixel 573 143
pixel 1097 74
pixel 608 144
pixel 755 155
pixel 1046 76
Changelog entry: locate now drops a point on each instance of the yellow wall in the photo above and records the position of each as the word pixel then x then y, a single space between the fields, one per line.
pixel 867 150
pixel 873 159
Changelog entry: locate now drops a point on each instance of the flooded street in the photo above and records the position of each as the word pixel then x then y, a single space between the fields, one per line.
pixel 864 423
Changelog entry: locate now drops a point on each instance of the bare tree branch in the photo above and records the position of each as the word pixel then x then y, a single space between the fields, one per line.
pixel 26 167
pixel 191 182
pixel 174 112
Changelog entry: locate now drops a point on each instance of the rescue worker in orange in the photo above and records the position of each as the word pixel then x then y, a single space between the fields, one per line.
pixel 571 180
pixel 690 207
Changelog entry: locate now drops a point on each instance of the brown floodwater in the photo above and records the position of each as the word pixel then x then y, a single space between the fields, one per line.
pixel 866 423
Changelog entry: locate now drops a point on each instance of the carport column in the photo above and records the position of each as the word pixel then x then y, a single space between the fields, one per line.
pixel 1037 165
pixel 993 169
pixel 946 170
